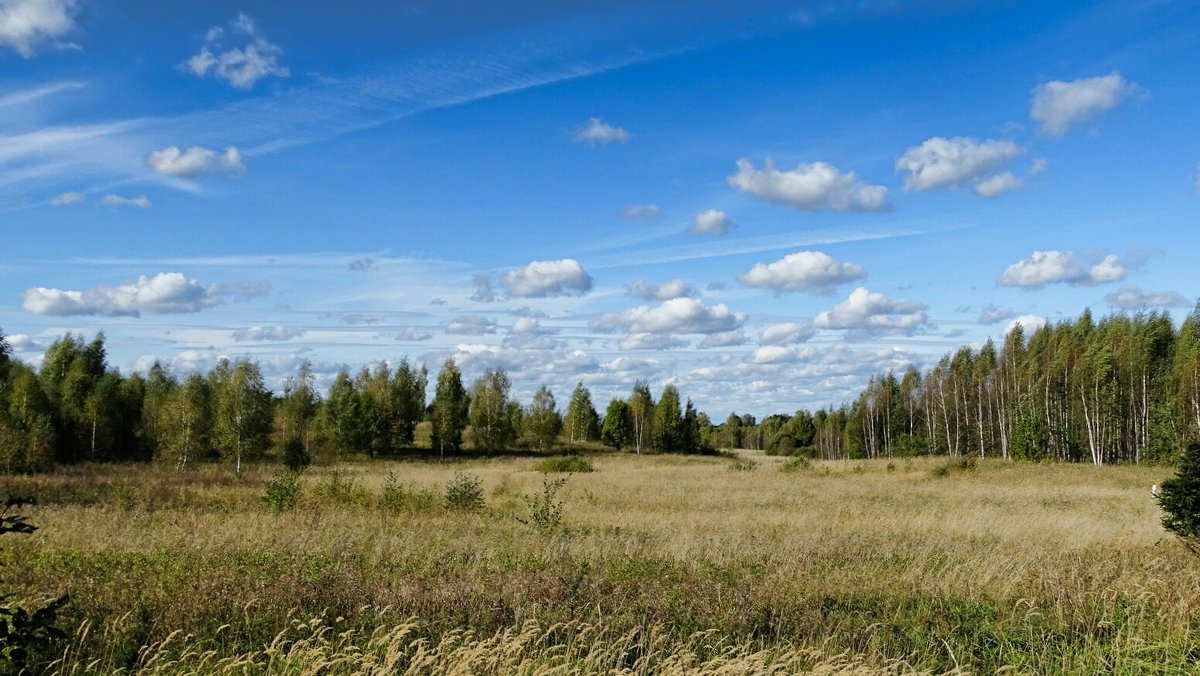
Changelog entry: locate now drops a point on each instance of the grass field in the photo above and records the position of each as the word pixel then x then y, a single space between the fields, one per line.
pixel 659 564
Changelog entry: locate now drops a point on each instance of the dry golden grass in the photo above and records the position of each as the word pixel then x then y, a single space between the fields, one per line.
pixel 1044 568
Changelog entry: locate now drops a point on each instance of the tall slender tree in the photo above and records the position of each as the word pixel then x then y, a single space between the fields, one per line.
pixel 449 409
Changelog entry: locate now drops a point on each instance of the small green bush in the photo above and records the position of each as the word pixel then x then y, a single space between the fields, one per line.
pixel 545 510
pixel 464 492
pixel 337 487
pixel 795 463
pixel 743 465
pixel 565 463
pixel 283 491
pixel 402 497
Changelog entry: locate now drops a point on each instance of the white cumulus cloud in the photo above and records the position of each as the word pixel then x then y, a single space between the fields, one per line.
pixel 250 58
pixel 1059 105
pixel 529 326
pixel 141 201
pixel 802 271
pixel 951 162
pixel 260 334
pixel 471 325
pixel 724 339
pixel 1132 298
pixel 27 24
pixel 1029 323
pixel 164 293
pixel 711 222
pixel 410 333
pixel 548 278
pixel 1052 267
pixel 195 161
pixel 869 312
pixel 994 186
pixel 599 131
pixel 809 187
pixel 679 315
pixel 772 354
pixel 650 341
pixel 676 288
pixel 787 333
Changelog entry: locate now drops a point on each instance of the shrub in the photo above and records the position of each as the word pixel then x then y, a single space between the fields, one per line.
pixel 339 488
pixel 955 465
pixel 399 497
pixel 564 463
pixel 20 630
pixel 1180 499
pixel 545 510
pixel 743 465
pixel 464 492
pixel 795 464
pixel 283 490
pixel 295 455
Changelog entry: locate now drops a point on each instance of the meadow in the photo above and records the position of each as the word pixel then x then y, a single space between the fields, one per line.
pixel 651 564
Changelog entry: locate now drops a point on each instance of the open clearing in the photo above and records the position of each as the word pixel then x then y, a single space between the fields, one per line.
pixel 659 564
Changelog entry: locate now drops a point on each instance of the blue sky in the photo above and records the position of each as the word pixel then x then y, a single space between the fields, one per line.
pixel 761 202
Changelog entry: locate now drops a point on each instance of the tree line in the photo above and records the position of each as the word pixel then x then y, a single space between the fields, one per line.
pixel 75 408
pixel 1122 389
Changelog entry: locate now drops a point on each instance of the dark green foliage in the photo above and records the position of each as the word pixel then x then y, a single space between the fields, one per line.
pixel 295 455
pixel 564 463
pixel 545 510
pixel 1180 499
pixel 23 632
pixel 617 428
pixel 283 491
pixel 581 422
pixel 449 409
pixel 464 492
pixel 542 422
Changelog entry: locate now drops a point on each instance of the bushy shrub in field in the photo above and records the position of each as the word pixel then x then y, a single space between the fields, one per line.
pixel 399 497
pixel 1180 499
pixel 565 463
pixel 795 463
pixel 545 510
pixel 743 465
pixel 283 491
pixel 955 466
pixel 339 488
pixel 464 492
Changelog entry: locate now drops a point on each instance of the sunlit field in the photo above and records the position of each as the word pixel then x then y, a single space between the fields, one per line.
pixel 655 564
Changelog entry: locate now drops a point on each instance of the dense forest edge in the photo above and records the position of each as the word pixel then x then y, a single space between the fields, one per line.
pixel 1124 389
